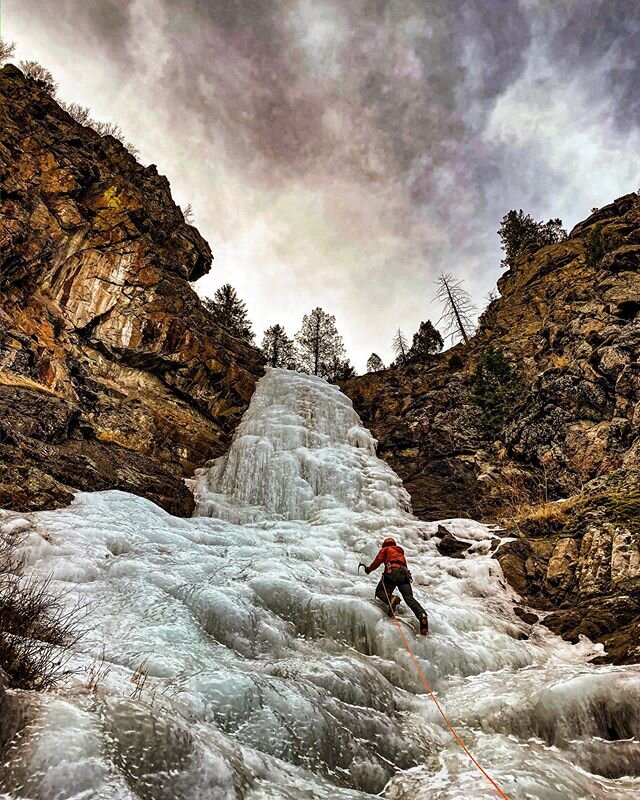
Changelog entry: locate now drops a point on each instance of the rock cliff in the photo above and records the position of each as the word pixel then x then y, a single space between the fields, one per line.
pixel 111 373
pixel 560 416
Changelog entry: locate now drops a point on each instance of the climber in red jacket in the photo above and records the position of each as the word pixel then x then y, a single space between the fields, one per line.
pixel 396 574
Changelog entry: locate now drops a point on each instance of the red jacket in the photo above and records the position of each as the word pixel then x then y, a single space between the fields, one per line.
pixel 392 553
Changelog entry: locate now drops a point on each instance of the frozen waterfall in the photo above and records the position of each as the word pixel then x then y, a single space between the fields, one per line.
pixel 239 654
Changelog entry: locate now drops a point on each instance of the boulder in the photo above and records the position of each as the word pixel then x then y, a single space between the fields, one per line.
pixel 448 545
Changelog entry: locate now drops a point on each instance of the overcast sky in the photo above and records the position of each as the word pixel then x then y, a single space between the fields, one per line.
pixel 342 153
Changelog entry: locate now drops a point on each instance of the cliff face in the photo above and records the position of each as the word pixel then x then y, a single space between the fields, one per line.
pixel 571 327
pixel 569 321
pixel 111 373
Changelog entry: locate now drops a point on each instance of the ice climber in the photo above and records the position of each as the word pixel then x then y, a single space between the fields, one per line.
pixel 396 575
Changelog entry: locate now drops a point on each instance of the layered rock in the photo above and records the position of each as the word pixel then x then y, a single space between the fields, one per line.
pixel 580 560
pixel 111 373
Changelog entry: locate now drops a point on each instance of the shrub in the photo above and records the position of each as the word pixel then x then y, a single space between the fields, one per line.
pixel 7 50
pixel 40 75
pixel 37 626
pixel 82 115
pixel 598 244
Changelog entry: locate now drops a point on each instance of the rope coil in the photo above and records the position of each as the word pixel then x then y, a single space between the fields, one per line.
pixel 435 700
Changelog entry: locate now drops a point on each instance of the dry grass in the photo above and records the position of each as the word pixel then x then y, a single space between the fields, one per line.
pixel 542 518
pixel 97 674
pixel 545 514
pixel 525 505
pixel 38 627
pixel 139 679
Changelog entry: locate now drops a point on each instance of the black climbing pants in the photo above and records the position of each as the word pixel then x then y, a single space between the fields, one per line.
pixel 399 577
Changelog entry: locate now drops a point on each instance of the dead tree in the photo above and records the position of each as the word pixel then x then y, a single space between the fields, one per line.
pixel 400 348
pixel 459 311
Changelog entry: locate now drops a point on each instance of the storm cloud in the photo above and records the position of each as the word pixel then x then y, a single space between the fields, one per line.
pixel 343 153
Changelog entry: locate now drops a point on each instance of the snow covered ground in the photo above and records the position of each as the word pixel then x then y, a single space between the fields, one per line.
pixel 239 654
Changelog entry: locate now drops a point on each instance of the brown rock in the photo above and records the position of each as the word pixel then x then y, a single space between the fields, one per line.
pixel 111 373
pixel 573 329
pixel 561 569
pixel 448 545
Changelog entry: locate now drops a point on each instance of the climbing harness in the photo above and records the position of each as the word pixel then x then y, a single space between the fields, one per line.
pixel 438 706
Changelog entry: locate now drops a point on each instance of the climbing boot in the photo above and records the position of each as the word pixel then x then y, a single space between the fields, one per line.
pixel 424 625
pixel 395 602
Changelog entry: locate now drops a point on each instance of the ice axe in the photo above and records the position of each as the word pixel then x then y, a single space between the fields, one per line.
pixel 364 566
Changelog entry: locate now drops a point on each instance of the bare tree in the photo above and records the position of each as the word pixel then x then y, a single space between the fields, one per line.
pixel 187 214
pixel 7 50
pixel 82 115
pixel 458 309
pixel 400 348
pixel 41 75
pixel 108 129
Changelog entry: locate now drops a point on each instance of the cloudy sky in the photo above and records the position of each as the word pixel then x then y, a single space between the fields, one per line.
pixel 342 153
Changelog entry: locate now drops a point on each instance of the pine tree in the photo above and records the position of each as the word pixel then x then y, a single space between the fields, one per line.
pixel 338 370
pixel 400 348
pixel 278 348
pixel 319 342
pixel 374 363
pixel 230 312
pixel 520 232
pixel 497 389
pixel 426 342
pixel 458 309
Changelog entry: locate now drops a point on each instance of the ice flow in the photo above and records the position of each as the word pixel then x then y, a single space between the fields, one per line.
pixel 238 654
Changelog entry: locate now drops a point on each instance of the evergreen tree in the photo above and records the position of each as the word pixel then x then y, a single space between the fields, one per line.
pixel 426 342
pixel 374 363
pixel 318 342
pixel 278 348
pixel 230 312
pixel 400 348
pixel 497 389
pixel 338 370
pixel 520 232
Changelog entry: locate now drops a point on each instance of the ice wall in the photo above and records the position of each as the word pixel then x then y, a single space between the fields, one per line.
pixel 238 654
pixel 299 451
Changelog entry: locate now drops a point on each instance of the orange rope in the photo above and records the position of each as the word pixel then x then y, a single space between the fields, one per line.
pixel 433 697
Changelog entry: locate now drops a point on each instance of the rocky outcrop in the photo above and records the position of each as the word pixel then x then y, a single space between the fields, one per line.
pixel 449 545
pixel 111 373
pixel 568 323
pixel 580 560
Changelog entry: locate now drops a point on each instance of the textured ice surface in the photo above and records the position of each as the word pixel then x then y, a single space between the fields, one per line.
pixel 270 673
